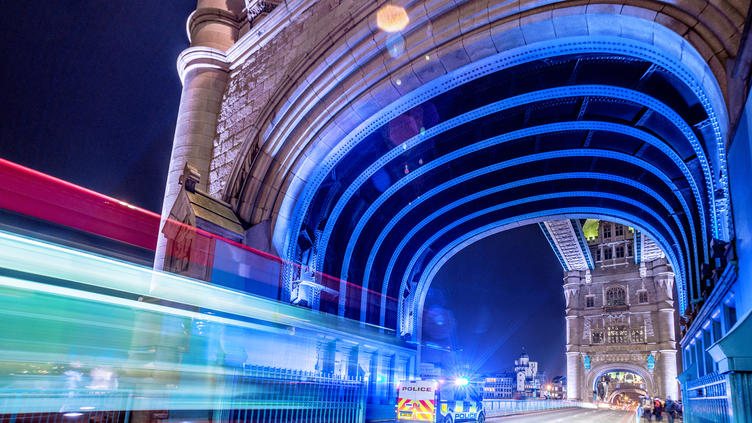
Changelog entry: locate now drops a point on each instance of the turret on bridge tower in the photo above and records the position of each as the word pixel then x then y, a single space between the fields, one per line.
pixel 619 292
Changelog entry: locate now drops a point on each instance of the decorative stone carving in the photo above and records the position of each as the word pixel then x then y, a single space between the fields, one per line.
pixel 586 330
pixel 569 295
pixel 257 7
pixel 649 326
pixel 619 318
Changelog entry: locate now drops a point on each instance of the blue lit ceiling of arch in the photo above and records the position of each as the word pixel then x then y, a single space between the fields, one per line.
pixel 611 134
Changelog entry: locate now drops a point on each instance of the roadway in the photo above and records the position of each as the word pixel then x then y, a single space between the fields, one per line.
pixel 579 415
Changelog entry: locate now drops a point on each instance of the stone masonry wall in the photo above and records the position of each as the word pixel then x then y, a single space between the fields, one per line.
pixel 253 84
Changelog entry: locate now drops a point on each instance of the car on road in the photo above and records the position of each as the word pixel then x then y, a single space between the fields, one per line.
pixel 439 402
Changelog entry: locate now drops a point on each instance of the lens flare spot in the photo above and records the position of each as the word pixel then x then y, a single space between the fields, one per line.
pixel 392 18
pixel 395 45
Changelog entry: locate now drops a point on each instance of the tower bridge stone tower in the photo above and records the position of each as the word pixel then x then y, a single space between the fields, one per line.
pixel 619 292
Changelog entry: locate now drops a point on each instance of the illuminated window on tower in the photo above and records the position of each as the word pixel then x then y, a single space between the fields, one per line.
pixel 616 296
pixel 638 335
pixel 617 335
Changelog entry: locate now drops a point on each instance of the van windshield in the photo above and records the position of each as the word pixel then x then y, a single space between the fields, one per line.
pixel 460 394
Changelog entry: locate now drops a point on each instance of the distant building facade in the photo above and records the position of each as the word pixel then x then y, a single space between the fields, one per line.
pixel 499 386
pixel 524 381
pixel 558 388
pixel 620 315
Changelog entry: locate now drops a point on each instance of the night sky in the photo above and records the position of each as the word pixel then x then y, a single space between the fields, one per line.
pixel 513 300
pixel 91 94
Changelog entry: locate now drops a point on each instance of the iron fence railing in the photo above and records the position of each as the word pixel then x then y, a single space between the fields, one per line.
pixel 266 395
pixel 707 399
pixel 504 407
pixel 249 395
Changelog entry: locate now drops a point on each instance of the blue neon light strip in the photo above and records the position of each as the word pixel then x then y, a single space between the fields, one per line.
pixel 572 194
pixel 638 246
pixel 543 95
pixel 480 68
pixel 574 212
pixel 575 91
pixel 539 156
pixel 537 130
pixel 531 158
pixel 511 136
pixel 583 243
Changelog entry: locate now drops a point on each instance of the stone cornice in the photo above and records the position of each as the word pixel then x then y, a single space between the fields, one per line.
pixel 728 277
pixel 732 351
pixel 201 58
pixel 257 7
pixel 264 32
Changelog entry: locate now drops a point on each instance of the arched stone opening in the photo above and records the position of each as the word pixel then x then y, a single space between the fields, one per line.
pixel 690 236
pixel 593 375
pixel 411 308
pixel 476 32
pixel 312 128
pixel 633 394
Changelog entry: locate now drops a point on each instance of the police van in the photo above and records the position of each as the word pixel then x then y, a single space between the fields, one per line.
pixel 432 401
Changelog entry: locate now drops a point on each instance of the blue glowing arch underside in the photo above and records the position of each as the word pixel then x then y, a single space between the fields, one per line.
pixel 704 181
pixel 542 129
pixel 584 194
pixel 573 212
pixel 574 45
pixel 562 92
pixel 506 137
pixel 545 178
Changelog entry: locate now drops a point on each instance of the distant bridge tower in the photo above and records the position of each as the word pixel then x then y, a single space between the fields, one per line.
pixel 620 311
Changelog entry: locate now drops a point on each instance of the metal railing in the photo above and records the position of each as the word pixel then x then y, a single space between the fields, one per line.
pixel 707 399
pixel 505 407
pixel 249 395
pixel 266 395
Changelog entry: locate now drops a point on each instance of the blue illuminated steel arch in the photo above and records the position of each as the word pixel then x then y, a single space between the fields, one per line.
pixel 545 178
pixel 542 95
pixel 709 96
pixel 540 156
pixel 513 162
pixel 510 136
pixel 572 212
pixel 571 194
